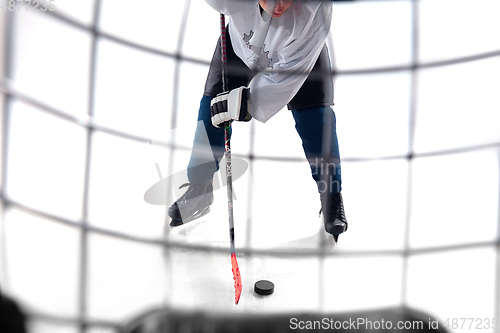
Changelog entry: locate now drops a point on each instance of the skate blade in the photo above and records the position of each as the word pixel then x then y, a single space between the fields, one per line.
pixel 197 215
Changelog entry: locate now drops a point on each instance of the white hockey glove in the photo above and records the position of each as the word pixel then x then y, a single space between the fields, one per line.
pixel 231 105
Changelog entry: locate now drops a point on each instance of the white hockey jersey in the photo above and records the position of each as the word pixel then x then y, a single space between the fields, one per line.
pixel 282 48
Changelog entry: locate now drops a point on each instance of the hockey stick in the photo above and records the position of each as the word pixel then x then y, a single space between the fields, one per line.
pixel 229 176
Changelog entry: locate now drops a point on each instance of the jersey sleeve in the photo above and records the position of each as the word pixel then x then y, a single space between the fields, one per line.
pixel 271 91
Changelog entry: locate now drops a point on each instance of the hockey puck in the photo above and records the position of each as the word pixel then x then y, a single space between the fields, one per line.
pixel 264 287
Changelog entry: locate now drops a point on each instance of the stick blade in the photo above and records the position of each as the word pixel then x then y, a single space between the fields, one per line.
pixel 238 287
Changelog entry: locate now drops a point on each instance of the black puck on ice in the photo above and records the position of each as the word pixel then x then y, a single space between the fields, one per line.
pixel 264 287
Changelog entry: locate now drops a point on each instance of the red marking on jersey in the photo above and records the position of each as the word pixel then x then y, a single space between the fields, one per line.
pixel 238 287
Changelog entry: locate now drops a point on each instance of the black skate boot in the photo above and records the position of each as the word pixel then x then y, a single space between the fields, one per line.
pixel 333 214
pixel 193 204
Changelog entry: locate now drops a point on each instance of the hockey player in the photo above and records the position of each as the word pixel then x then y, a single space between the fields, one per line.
pixel 276 56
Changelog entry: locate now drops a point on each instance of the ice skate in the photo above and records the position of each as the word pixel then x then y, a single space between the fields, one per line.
pixel 333 214
pixel 193 204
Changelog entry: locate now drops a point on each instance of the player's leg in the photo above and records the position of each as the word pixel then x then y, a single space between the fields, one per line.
pixel 208 148
pixel 310 125
pixel 313 100
pixel 208 145
pixel 317 129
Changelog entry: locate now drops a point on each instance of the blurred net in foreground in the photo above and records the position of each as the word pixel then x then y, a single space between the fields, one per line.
pixel 384 320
